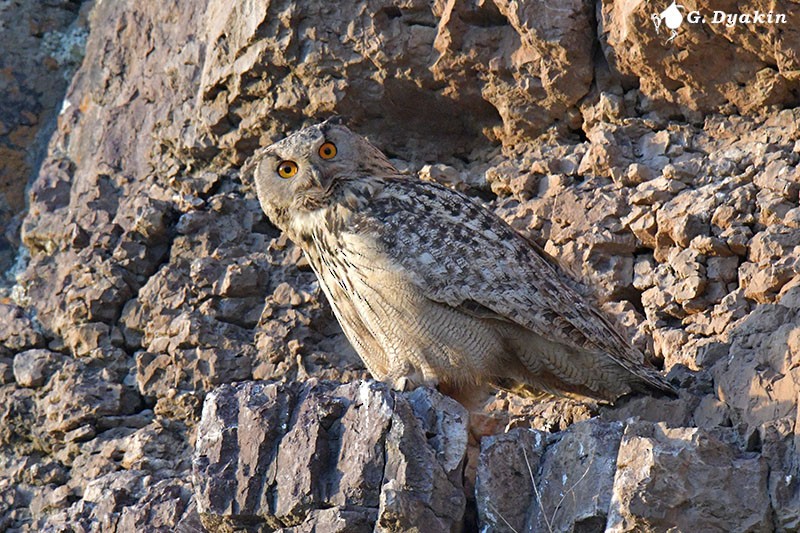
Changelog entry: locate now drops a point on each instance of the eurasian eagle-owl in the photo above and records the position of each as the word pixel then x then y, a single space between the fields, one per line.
pixel 429 286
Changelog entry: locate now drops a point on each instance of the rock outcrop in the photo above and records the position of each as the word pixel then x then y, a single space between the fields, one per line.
pixel 158 332
pixel 714 64
pixel 653 457
pixel 529 480
pixel 327 457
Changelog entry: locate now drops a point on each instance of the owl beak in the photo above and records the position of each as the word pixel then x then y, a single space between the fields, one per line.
pixel 319 180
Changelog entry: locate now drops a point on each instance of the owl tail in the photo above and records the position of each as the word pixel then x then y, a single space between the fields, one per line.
pixel 643 381
pixel 651 382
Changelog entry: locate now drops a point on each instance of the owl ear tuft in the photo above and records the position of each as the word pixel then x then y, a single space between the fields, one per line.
pixel 335 120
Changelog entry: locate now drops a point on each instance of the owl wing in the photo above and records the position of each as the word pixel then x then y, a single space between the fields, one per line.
pixel 463 255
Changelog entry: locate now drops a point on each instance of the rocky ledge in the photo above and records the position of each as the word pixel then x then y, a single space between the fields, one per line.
pixel 321 456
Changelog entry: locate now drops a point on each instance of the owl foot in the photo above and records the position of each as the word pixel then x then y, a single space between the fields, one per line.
pixel 405 382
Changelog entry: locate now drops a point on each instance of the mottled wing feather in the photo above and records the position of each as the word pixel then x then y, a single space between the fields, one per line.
pixel 463 255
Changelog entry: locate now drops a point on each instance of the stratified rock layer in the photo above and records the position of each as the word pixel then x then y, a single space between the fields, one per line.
pixel 328 457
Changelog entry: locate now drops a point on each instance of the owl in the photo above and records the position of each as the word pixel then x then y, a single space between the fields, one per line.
pixel 431 287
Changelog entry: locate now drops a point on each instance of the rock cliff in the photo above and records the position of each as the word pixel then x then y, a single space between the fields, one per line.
pixel 167 361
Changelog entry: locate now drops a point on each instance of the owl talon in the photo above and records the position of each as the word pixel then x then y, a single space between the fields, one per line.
pixel 407 383
pixel 403 384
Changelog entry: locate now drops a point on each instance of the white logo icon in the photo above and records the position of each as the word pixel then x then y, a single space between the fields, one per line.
pixel 671 17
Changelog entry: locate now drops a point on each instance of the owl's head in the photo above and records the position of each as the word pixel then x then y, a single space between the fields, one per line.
pixel 302 171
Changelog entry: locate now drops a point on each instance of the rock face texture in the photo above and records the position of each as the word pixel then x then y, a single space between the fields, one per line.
pixel 167 361
pixel 326 457
pixel 760 66
pixel 529 480
pixel 730 499
pixel 43 44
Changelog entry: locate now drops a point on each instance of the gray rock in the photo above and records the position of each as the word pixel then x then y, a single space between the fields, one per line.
pixel 690 479
pixel 425 450
pixel 6 370
pixel 165 505
pixel 33 367
pixel 124 501
pixel 149 269
pixel 506 476
pixel 18 413
pixel 326 455
pixel 576 476
pixel 573 473
pixel 17 331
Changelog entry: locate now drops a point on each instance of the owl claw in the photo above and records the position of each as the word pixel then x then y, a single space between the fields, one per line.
pixel 407 383
pixel 403 384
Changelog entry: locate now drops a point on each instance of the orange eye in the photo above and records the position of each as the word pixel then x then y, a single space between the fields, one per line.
pixel 287 169
pixel 327 151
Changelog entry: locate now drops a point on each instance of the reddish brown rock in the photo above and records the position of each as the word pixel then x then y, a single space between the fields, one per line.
pixel 42 46
pixel 708 66
pixel 518 53
pixel 76 397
